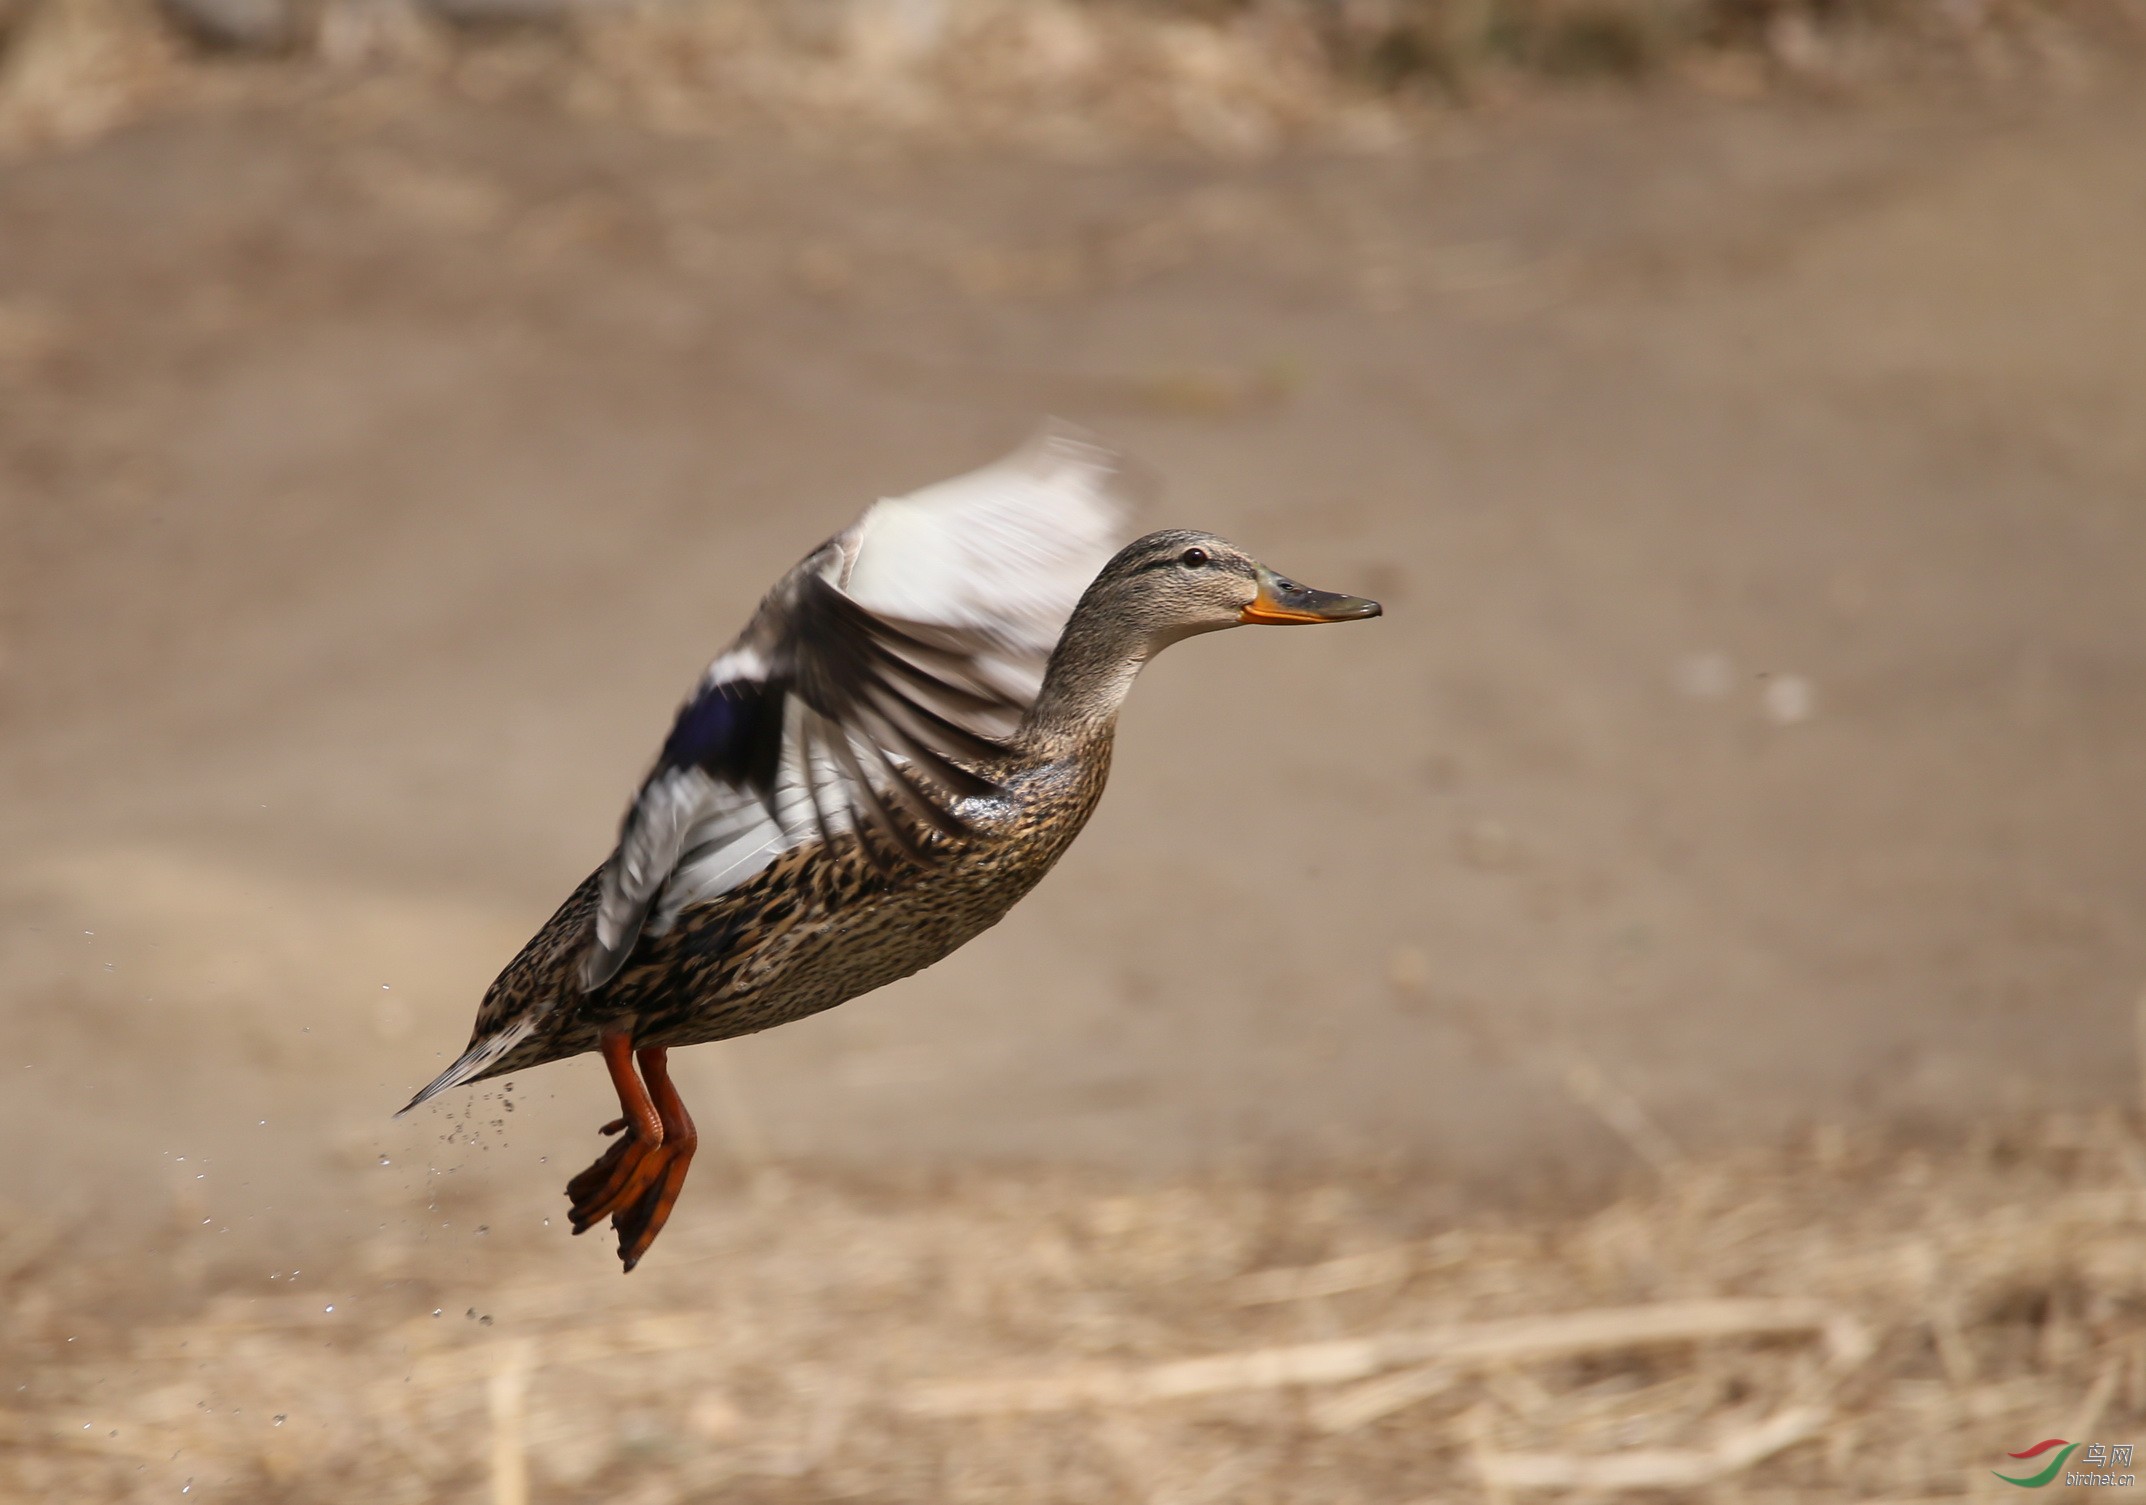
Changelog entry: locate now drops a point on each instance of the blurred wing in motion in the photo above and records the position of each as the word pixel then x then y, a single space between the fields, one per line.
pixel 901 645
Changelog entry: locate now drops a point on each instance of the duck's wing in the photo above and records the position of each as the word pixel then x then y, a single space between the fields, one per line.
pixel 890 656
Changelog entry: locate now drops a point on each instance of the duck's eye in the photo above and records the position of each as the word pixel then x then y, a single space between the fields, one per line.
pixel 1192 559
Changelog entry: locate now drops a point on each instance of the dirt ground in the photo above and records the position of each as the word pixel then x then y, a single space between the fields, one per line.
pixel 1751 743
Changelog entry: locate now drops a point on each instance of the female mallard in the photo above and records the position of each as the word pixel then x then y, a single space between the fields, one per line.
pixel 913 727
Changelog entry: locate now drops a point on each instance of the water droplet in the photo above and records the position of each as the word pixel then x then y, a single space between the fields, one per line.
pixel 543 1160
pixel 329 1307
pixel 485 1320
pixel 436 1311
pixel 483 1228
pixel 383 987
pixel 471 1314
pixel 281 1418
pixel 385 1161
pixel 547 1222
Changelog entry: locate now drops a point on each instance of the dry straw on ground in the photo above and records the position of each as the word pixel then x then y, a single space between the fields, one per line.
pixel 1850 1323
pixel 1078 77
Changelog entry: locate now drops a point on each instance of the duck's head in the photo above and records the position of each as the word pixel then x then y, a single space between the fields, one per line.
pixel 1180 582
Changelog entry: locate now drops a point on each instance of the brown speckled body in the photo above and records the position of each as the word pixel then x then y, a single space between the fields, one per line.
pixel 819 926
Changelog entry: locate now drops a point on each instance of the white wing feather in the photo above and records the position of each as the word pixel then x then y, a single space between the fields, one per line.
pixel 1003 552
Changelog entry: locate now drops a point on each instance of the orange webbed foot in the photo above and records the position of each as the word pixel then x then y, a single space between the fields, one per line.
pixel 636 1182
pixel 603 1188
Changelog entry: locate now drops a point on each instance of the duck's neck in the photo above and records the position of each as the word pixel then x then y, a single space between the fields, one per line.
pixel 1090 673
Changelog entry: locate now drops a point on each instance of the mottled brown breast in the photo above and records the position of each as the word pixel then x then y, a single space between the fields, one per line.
pixel 821 925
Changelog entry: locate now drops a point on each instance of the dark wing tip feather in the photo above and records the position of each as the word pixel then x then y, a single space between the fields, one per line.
pixel 864 679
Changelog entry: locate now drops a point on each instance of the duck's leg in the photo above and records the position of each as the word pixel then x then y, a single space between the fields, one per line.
pixel 598 1189
pixel 638 1179
pixel 639 1222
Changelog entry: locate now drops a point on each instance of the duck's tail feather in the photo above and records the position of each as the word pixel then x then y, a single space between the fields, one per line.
pixel 481 1056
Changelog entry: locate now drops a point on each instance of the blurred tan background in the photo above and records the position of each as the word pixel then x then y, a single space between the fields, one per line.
pixel 1741 423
